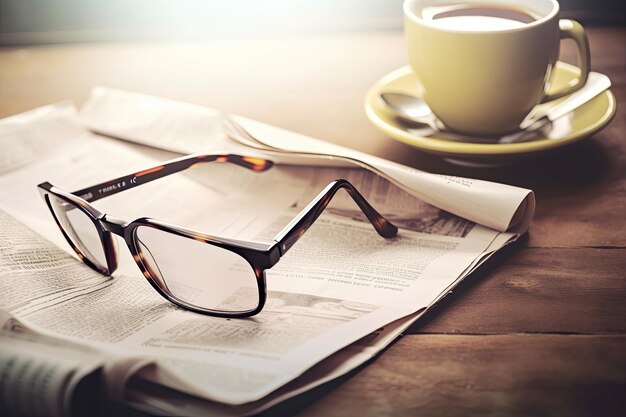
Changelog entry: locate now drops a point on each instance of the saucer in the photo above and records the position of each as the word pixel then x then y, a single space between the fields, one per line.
pixel 583 122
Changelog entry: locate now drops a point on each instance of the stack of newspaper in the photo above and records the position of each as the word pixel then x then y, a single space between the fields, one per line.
pixel 334 301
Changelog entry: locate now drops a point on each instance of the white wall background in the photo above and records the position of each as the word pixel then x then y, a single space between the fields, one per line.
pixel 44 21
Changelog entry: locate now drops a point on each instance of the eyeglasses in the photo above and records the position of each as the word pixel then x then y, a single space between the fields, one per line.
pixel 206 274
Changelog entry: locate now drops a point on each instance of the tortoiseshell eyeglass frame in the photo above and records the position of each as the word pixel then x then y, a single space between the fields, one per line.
pixel 261 256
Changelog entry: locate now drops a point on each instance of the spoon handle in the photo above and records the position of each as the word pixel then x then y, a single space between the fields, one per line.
pixel 529 132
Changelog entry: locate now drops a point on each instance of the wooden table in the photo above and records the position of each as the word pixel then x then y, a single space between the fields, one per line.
pixel 541 330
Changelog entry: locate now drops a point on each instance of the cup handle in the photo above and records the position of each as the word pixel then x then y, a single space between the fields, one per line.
pixel 570 29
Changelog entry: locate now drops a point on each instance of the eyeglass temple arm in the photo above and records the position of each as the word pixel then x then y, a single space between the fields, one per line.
pixel 108 188
pixel 298 226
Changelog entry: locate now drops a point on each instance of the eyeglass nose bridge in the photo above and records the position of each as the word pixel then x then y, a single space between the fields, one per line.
pixel 111 226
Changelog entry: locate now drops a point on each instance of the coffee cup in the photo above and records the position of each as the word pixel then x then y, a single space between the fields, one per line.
pixel 484 64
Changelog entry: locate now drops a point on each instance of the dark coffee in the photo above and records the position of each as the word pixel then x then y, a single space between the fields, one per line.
pixel 477 17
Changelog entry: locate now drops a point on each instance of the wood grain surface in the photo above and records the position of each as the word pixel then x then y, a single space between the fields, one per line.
pixel 540 330
pixel 538 290
pixel 496 375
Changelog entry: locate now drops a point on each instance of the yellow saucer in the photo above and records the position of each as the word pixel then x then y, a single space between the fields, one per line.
pixel 581 123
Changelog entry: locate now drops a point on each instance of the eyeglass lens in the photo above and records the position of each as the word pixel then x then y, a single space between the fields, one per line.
pixel 197 273
pixel 80 229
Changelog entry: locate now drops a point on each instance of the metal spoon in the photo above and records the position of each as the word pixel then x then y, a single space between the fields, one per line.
pixel 536 126
pixel 411 109
pixel 414 111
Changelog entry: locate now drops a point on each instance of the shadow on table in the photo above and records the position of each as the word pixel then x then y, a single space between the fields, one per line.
pixel 560 170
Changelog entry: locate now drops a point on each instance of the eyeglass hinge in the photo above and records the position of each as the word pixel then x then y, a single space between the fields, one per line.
pixel 274 254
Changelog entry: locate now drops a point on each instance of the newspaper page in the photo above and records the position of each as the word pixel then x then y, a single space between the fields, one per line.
pixel 172 125
pixel 39 373
pixel 339 284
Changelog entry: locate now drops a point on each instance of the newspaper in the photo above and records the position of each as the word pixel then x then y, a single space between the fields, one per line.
pixel 335 300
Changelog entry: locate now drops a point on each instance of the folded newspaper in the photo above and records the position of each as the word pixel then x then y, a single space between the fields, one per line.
pixel 334 301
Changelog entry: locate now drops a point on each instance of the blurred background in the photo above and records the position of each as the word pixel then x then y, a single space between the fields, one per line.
pixel 24 22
